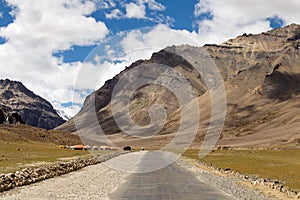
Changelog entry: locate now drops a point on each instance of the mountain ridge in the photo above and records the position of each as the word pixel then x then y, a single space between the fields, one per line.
pixel 261 77
pixel 34 110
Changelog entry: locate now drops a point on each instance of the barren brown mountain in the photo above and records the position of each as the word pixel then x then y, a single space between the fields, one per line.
pixel 34 110
pixel 262 79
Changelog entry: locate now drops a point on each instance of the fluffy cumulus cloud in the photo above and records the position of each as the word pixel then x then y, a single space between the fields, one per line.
pixel 41 28
pixel 159 37
pixel 135 10
pixel 220 20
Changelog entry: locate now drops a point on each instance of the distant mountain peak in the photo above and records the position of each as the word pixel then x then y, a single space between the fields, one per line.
pixel 35 110
pixel 18 87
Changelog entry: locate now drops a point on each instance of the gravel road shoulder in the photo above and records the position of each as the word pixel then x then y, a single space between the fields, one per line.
pixel 92 182
pixel 230 185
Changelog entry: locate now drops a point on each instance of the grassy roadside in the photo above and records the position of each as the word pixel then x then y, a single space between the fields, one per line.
pixel 24 146
pixel 281 165
pixel 17 155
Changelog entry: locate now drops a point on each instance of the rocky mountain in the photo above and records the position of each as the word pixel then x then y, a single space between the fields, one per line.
pixel 261 74
pixel 34 110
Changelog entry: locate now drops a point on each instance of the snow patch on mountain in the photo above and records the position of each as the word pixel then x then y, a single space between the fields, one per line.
pixel 66 112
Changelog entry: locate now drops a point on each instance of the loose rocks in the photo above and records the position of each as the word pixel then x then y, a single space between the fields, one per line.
pixel 32 175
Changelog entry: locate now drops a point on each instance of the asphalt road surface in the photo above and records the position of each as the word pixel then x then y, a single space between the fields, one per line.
pixel 170 182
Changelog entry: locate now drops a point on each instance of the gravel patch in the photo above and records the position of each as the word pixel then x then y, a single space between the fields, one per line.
pixel 93 182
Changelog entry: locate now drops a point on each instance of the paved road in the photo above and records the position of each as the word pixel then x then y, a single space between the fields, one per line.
pixel 112 180
pixel 170 182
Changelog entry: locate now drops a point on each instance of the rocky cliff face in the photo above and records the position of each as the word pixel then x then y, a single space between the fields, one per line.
pixel 261 74
pixel 34 110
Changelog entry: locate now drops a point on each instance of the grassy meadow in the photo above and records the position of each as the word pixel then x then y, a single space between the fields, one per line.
pixel 15 156
pixel 24 146
pixel 281 165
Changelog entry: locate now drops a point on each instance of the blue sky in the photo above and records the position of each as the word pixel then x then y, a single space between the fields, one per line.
pixel 180 11
pixel 50 39
pixel 5 10
pixel 6 18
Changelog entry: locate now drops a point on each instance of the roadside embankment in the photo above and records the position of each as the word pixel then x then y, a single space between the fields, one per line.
pixel 35 174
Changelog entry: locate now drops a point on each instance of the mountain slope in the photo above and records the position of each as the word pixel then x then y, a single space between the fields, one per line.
pixel 35 111
pixel 261 75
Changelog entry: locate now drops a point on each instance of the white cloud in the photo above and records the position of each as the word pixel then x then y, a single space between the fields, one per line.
pixel 158 38
pixel 39 29
pixel 234 17
pixel 112 3
pixel 1 15
pixel 134 10
pixel 114 14
pixel 153 5
pixel 56 25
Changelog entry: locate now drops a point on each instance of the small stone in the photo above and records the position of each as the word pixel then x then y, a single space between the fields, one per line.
pixel 7 187
pixel 276 182
pixel 255 183
pixel 26 182
pixel 1 188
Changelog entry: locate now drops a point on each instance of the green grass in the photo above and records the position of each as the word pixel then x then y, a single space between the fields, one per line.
pixel 17 155
pixel 281 165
